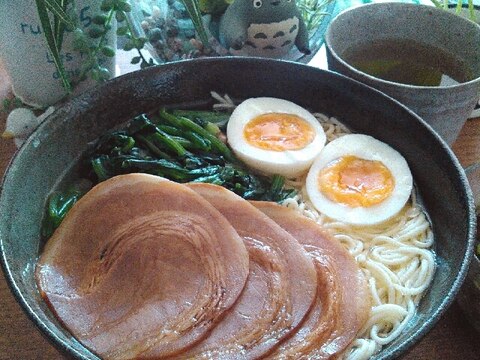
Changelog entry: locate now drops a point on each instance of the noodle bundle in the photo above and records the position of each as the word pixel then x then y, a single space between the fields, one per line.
pixel 395 256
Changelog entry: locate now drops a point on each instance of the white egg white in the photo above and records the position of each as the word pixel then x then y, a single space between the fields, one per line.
pixel 289 163
pixel 368 148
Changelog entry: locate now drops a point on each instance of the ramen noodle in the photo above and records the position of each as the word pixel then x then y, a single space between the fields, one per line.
pixel 396 256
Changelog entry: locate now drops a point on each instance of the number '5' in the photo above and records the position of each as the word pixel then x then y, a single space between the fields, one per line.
pixel 84 18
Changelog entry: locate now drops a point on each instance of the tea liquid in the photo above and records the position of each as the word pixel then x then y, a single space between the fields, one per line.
pixel 408 62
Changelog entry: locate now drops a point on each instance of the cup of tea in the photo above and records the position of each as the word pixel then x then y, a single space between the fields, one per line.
pixel 425 57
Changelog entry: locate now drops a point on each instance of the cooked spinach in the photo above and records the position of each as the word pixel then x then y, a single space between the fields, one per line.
pixel 181 146
pixel 58 205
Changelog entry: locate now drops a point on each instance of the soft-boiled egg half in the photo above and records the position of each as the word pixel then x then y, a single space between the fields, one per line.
pixel 359 180
pixel 275 136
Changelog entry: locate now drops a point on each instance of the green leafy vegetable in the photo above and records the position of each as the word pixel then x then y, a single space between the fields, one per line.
pixel 58 205
pixel 218 118
pixel 180 149
pixel 189 125
pixel 173 147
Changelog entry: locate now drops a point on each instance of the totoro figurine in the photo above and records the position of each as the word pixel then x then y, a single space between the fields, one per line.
pixel 266 28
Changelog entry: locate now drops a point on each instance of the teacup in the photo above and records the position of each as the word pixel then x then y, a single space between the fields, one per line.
pixel 445 105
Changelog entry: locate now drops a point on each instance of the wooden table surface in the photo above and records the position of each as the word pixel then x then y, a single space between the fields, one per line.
pixel 451 338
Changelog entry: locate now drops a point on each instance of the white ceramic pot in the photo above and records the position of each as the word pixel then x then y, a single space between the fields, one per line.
pixel 25 54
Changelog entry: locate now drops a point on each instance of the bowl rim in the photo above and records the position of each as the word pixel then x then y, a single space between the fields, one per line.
pixel 397 350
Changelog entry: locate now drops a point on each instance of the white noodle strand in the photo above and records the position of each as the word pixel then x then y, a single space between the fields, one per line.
pixel 395 256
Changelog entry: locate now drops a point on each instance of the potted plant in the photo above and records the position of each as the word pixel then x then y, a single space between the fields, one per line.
pixel 465 8
pixel 62 46
pixel 41 51
pixel 54 48
pixel 180 29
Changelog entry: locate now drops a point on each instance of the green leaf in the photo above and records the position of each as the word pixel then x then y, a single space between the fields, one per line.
pixel 437 3
pixel 94 74
pixel 124 6
pixel 195 14
pixel 17 102
pixel 214 7
pixel 58 10
pixel 80 42
pixel 108 51
pixel 58 205
pixel 52 44
pixel 129 45
pixel 99 19
pixel 140 42
pixel 122 30
pixel 120 16
pixel 95 32
pixel 59 26
pixel 471 10
pixel 104 74
pixel 6 103
pixel 107 5
pixel 136 60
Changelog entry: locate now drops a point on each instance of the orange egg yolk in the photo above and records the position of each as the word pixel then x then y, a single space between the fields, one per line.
pixel 356 182
pixel 278 132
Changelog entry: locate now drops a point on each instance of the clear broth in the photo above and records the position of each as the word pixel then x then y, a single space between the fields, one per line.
pixel 408 62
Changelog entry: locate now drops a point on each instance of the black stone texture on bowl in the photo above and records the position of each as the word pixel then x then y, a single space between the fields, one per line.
pixel 469 295
pixel 54 149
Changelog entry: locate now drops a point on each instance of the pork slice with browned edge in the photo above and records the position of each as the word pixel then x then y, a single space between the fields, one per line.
pixel 343 301
pixel 142 267
pixel 279 292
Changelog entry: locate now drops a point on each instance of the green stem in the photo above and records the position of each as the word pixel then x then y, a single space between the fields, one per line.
pixel 57 8
pixel 59 26
pixel 188 124
pixel 153 148
pixel 107 25
pixel 471 10
pixel 130 30
pixel 195 15
pixel 93 55
pixel 52 43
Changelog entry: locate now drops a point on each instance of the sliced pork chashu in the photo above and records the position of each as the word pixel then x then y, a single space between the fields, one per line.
pixel 279 291
pixel 142 267
pixel 343 301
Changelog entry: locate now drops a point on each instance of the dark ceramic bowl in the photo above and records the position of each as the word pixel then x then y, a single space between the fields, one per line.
pixel 52 152
pixel 469 295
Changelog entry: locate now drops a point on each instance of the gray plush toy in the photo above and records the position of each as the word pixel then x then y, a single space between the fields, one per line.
pixel 266 28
